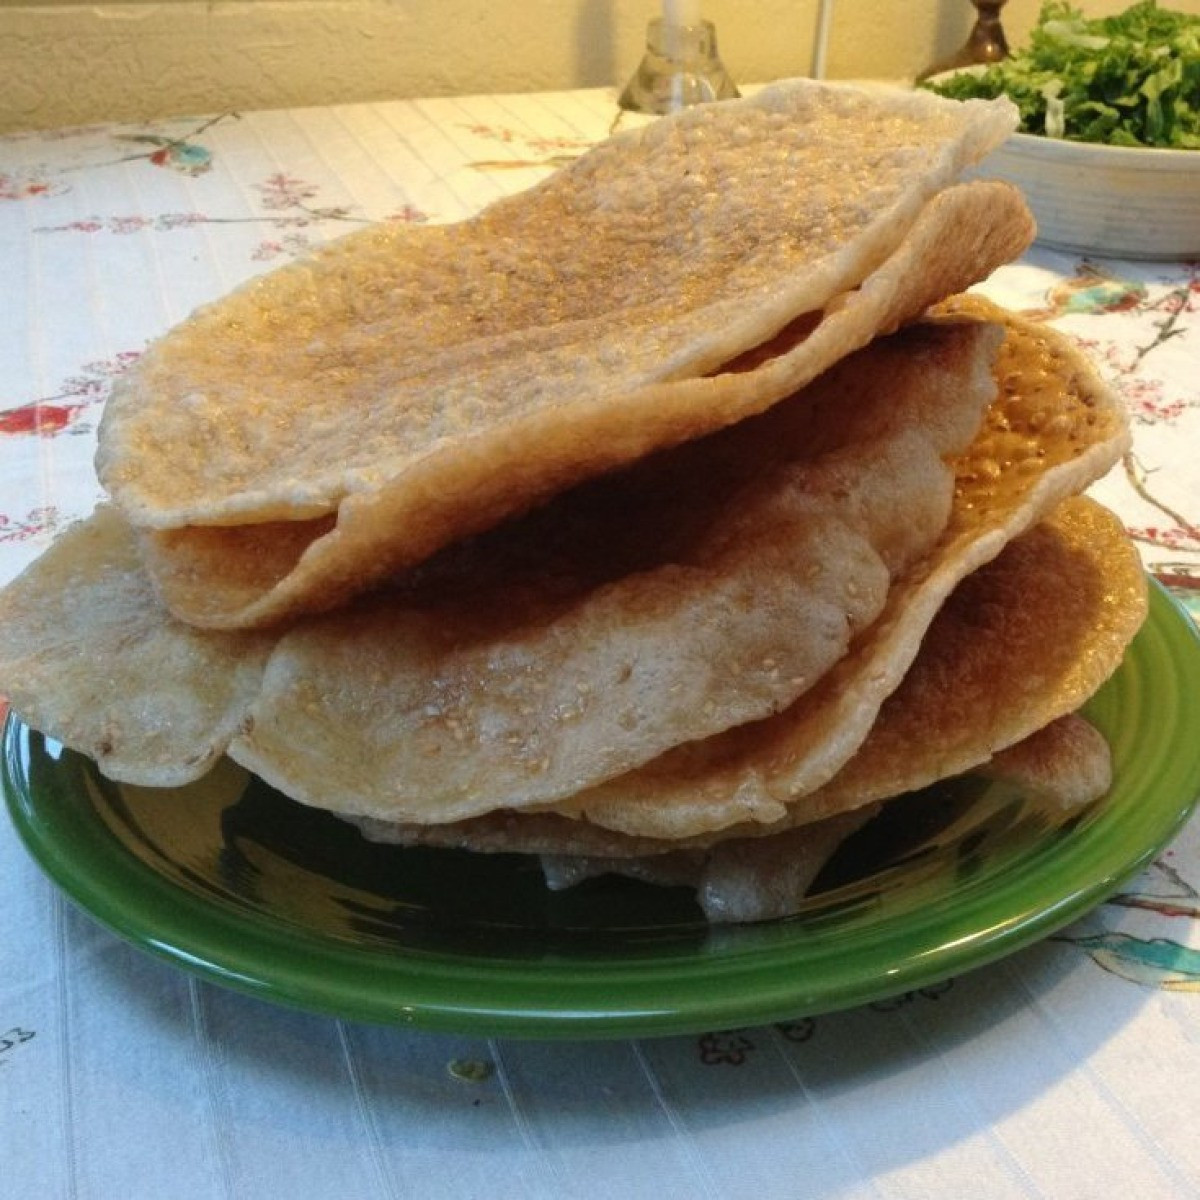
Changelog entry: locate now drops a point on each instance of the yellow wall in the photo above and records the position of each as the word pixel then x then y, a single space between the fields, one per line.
pixel 65 63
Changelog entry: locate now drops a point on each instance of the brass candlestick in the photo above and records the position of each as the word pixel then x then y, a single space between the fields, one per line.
pixel 985 44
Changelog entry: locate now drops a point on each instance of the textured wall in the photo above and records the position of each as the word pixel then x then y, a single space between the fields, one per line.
pixel 69 63
pixel 64 63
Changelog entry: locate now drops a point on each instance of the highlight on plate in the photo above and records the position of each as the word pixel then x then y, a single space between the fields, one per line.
pixel 666 518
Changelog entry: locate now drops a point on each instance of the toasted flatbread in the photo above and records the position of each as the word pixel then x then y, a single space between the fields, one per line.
pixel 89 656
pixel 707 585
pixel 748 879
pixel 408 387
pixel 704 587
pixel 1051 431
pixel 1060 769
pixel 1012 654
pixel 1054 428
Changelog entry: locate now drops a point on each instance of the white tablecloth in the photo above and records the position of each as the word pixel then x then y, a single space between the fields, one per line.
pixel 1060 1072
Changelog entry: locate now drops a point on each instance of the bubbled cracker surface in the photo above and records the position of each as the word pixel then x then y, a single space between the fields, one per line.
pixel 1062 767
pixel 234 577
pixel 737 567
pixel 705 587
pixel 1021 642
pixel 89 656
pixel 1017 647
pixel 659 255
pixel 1054 429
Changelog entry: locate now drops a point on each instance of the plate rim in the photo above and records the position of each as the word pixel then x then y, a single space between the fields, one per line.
pixel 449 992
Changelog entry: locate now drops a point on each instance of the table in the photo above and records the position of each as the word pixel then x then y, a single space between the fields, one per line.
pixel 1066 1070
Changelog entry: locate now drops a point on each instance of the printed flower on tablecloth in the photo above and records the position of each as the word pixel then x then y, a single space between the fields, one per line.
pixel 1146 403
pixel 1157 962
pixel 61 412
pixel 285 193
pixel 1089 290
pixel 408 214
pixel 290 197
pixel 726 1048
pixel 933 991
pixel 289 208
pixel 181 152
pixel 35 523
pixel 1093 291
pixel 801 1030
pixel 28 187
pixel 39 418
pixel 544 151
pixel 128 224
pixel 542 143
pixel 1175 533
pixel 1169 537
pixel 293 245
pixel 188 157
pixel 1147 399
pixel 1165 313
pixel 1152 962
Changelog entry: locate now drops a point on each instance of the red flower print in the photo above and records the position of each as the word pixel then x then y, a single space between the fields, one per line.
pixel 52 415
pixel 409 214
pixel 35 522
pixel 1146 403
pixel 284 191
pixel 13 187
pixel 1175 537
pixel 43 419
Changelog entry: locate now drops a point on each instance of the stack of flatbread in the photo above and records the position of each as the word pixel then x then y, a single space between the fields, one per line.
pixel 665 518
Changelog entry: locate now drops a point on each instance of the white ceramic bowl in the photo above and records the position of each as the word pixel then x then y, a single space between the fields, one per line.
pixel 1116 201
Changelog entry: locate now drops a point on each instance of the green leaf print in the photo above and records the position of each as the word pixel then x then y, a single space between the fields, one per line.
pixel 1157 962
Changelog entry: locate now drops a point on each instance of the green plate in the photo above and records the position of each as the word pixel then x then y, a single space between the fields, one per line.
pixel 229 880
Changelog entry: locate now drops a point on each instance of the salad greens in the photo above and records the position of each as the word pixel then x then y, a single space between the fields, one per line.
pixel 1126 80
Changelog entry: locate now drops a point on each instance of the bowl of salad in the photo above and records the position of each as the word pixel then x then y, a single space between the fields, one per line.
pixel 1108 153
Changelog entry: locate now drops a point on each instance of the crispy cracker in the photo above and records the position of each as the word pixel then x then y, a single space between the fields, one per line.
pixel 705 587
pixel 1060 768
pixel 660 254
pixel 749 879
pixel 390 382
pixel 707 584
pixel 89 656
pixel 1054 428
pixel 1018 646
pixel 236 576
pixel 1064 766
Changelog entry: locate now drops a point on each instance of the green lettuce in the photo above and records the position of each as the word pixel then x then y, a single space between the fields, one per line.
pixel 1128 80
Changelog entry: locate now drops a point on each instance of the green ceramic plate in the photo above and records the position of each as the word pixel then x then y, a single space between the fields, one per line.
pixel 228 879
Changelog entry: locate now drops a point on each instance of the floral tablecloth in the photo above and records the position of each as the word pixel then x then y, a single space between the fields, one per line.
pixel 1071 1069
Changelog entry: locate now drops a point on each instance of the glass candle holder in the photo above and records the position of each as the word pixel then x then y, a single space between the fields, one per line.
pixel 681 67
